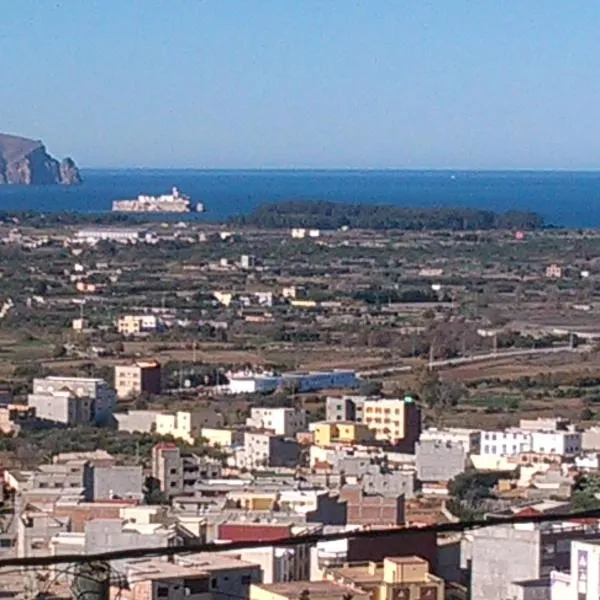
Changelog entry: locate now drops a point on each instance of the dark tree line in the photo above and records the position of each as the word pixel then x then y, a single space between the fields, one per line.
pixel 333 215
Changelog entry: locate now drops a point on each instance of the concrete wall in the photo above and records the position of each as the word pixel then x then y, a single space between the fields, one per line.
pixel 439 461
pixel 106 483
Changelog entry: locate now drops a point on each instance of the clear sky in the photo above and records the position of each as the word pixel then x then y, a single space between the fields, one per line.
pixel 305 83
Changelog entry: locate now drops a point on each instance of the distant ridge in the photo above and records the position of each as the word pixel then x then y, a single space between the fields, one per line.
pixel 24 161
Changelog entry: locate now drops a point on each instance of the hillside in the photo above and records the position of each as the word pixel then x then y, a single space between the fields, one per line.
pixel 26 162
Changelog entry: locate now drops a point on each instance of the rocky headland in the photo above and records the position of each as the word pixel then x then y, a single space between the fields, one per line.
pixel 26 162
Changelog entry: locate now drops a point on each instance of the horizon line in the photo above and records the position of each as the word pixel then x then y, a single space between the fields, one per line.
pixel 347 169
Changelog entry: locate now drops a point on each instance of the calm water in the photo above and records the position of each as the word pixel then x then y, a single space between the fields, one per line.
pixel 570 199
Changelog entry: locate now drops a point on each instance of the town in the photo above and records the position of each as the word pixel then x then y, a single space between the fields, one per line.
pixel 173 383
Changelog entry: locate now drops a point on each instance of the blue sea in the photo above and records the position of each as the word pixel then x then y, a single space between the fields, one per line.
pixel 567 199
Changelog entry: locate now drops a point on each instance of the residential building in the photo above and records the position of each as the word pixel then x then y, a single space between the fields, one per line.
pixel 401 578
pixel 344 408
pixel 559 443
pixel 179 472
pixel 62 406
pixel 319 590
pixel 397 421
pixel 501 555
pixel 187 425
pixel 114 482
pixel 440 461
pixel 201 576
pixel 368 509
pixel 341 432
pixel 133 324
pixel 263 450
pixel 582 580
pixel 247 261
pixel 102 394
pixel 141 377
pixel 505 443
pixel 554 271
pixel 281 421
pixel 470 439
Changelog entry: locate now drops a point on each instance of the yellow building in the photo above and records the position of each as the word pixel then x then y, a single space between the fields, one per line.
pixel 401 578
pixel 253 500
pixel 186 425
pixel 341 432
pixel 392 420
pixel 221 438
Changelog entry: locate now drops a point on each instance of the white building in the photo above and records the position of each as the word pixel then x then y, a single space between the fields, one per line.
pixel 104 396
pixel 561 443
pixel 253 384
pixel 583 581
pixel 282 421
pixel 505 443
pixel 94 235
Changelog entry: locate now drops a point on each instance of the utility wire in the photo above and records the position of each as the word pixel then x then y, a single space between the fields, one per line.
pixel 192 548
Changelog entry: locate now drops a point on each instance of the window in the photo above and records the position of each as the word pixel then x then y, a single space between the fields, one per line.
pixel 213 583
pixel 173 471
pixel 246 579
pixel 162 591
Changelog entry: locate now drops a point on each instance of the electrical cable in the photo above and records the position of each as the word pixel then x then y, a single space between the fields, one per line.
pixel 191 548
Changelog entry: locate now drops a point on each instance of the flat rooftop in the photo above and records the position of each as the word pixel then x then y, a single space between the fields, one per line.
pixel 316 589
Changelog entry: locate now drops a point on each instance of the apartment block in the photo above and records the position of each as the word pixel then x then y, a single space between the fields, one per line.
pixel 179 472
pixel 142 377
pixel 281 421
pixel 401 578
pixel 98 390
pixel 62 407
pixel 503 555
pixel 393 420
pixel 582 579
pixel 344 408
pixel 187 425
pixel 263 450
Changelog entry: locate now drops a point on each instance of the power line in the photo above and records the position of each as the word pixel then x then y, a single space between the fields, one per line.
pixel 191 548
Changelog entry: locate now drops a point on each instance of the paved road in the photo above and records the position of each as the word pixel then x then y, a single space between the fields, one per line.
pixel 462 360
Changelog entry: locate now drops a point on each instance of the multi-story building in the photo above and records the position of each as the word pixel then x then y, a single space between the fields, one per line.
pixel 505 443
pixel 133 324
pixel 344 408
pixel 138 378
pixel 113 483
pixel 62 406
pixel 179 472
pixel 187 425
pixel 470 439
pixel 222 438
pixel 501 555
pixel 110 234
pixel 262 449
pixel 97 389
pixel 369 509
pixel 401 578
pixel 142 421
pixel 205 576
pixel 558 443
pixel 281 421
pixel 582 581
pixel 440 461
pixel 393 420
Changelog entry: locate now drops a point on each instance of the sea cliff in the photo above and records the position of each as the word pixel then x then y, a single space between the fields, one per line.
pixel 26 162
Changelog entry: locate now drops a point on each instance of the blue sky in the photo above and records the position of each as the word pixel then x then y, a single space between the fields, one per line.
pixel 305 83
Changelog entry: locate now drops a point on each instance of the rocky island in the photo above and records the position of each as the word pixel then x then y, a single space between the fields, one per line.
pixel 26 162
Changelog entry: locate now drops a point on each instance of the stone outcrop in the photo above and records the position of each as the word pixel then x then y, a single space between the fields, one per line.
pixel 26 162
